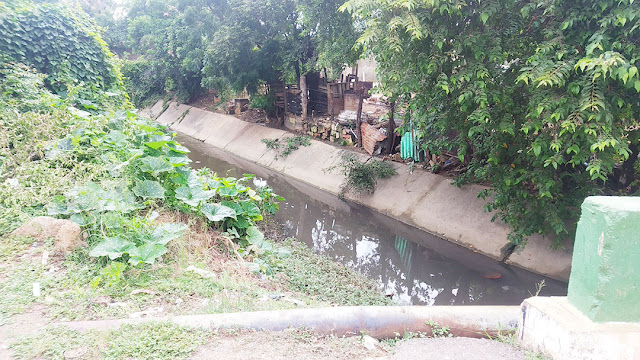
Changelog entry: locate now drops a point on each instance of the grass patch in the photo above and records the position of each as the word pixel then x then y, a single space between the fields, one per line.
pixel 510 338
pixel 327 280
pixel 156 340
pixel 53 342
pixel 69 292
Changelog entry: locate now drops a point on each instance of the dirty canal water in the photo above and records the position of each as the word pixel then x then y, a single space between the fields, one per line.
pixel 415 266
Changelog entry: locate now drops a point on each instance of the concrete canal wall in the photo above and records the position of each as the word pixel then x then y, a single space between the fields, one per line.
pixel 419 198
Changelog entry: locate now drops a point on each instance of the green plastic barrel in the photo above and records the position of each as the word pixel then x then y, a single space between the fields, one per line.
pixel 409 147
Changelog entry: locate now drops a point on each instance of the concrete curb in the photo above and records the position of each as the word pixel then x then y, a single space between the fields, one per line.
pixel 554 326
pixel 421 199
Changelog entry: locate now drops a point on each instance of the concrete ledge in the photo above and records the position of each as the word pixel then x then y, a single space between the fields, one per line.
pixel 557 262
pixel 421 199
pixel 553 326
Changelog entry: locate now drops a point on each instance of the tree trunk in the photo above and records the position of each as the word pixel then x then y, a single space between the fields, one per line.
pixel 391 128
pixel 303 96
pixel 285 107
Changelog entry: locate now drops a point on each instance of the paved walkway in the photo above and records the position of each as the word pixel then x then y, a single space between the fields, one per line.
pixel 456 349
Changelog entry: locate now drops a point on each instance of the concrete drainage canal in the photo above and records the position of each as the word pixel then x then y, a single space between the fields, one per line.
pixel 412 266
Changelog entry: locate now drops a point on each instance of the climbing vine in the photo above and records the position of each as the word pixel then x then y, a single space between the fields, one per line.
pixel 57 42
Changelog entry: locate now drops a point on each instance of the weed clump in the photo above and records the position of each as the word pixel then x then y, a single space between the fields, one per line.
pixel 291 144
pixel 362 177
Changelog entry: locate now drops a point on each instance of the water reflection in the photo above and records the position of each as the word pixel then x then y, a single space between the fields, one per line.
pixel 414 266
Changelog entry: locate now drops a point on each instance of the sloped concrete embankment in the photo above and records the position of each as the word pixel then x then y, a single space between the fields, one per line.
pixel 422 199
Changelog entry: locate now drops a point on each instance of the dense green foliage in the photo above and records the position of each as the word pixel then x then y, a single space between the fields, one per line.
pixel 538 98
pixel 170 39
pixel 266 41
pixel 108 170
pixel 186 47
pixel 57 42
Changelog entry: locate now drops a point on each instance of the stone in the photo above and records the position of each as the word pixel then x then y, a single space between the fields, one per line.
pixel 67 235
pixel 369 342
pixel 69 238
pixel 605 269
pixel 76 353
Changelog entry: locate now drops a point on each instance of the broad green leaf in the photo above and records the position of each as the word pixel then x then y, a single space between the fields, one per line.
pixel 217 212
pixel 164 233
pixel 79 113
pixel 83 219
pixel 147 127
pixel 235 206
pixel 120 200
pixel 149 189
pixel 148 253
pixel 537 149
pixel 193 195
pixel 254 236
pixel 58 206
pixel 159 141
pixel 252 210
pixel 155 164
pixel 228 191
pixel 214 184
pixel 484 17
pixel 58 148
pixel 178 161
pixel 116 137
pixel 178 148
pixel 113 247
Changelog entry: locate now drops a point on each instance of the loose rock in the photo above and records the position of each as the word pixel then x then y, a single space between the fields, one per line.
pixel 75 353
pixel 66 233
pixel 369 342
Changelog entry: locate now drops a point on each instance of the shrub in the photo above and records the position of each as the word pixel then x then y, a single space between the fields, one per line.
pixel 362 177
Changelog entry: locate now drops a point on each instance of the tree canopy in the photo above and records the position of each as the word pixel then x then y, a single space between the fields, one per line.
pixel 538 98
pixel 189 46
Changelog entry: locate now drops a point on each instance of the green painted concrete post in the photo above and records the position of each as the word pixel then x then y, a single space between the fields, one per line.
pixel 605 271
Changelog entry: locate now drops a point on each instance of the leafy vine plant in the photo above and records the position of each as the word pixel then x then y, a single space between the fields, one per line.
pixel 146 168
pixel 57 42
pixel 538 98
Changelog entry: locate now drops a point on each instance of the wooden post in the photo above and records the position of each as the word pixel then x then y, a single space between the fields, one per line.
pixel 391 128
pixel 330 100
pixel 286 105
pixel 360 93
pixel 303 95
